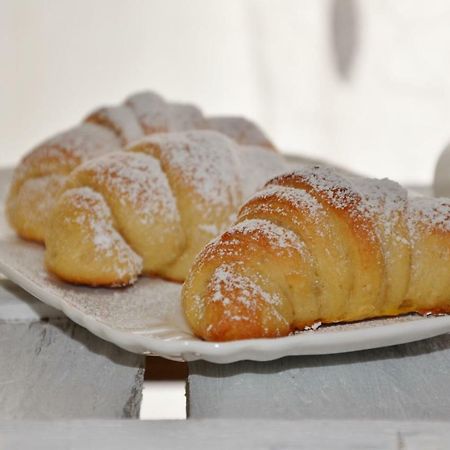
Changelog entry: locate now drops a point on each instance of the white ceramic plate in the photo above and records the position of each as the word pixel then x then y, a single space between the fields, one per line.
pixel 147 317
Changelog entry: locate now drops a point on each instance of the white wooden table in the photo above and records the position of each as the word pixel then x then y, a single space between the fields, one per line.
pixel 224 434
pixel 404 382
pixel 52 368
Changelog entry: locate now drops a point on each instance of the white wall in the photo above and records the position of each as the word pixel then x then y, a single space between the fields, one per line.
pixel 269 60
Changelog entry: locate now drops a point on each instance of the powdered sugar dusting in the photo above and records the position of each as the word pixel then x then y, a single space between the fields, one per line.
pixel 151 111
pixel 298 197
pixel 94 214
pixel 86 141
pixel 368 201
pixel 229 286
pixel 373 199
pixel 382 200
pixel 122 121
pixel 40 193
pixel 183 116
pixel 226 279
pixel 429 214
pixel 385 202
pixel 139 181
pixel 206 161
pixel 240 129
pixel 338 190
pixel 277 237
pixel 63 152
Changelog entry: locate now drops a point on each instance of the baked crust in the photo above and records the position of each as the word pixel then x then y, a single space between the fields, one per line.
pixel 40 176
pixel 367 250
pixel 147 210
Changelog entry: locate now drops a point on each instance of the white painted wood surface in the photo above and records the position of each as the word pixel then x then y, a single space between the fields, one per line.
pixel 224 434
pixel 18 305
pixel 400 382
pixel 52 368
pixel 56 369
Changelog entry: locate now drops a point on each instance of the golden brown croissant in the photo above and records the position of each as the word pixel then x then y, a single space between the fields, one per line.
pixel 41 174
pixel 156 115
pixel 315 246
pixel 121 120
pixel 147 210
pixel 39 177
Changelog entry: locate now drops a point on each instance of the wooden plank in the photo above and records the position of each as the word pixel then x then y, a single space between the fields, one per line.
pixel 17 304
pixel 224 434
pixel 52 368
pixel 56 369
pixel 401 382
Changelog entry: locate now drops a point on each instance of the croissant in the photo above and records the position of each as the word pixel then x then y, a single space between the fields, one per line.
pixel 315 246
pixel 240 130
pixel 148 210
pixel 121 120
pixel 41 174
pixel 39 178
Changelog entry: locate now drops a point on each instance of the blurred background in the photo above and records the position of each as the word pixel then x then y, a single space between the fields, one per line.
pixel 364 84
